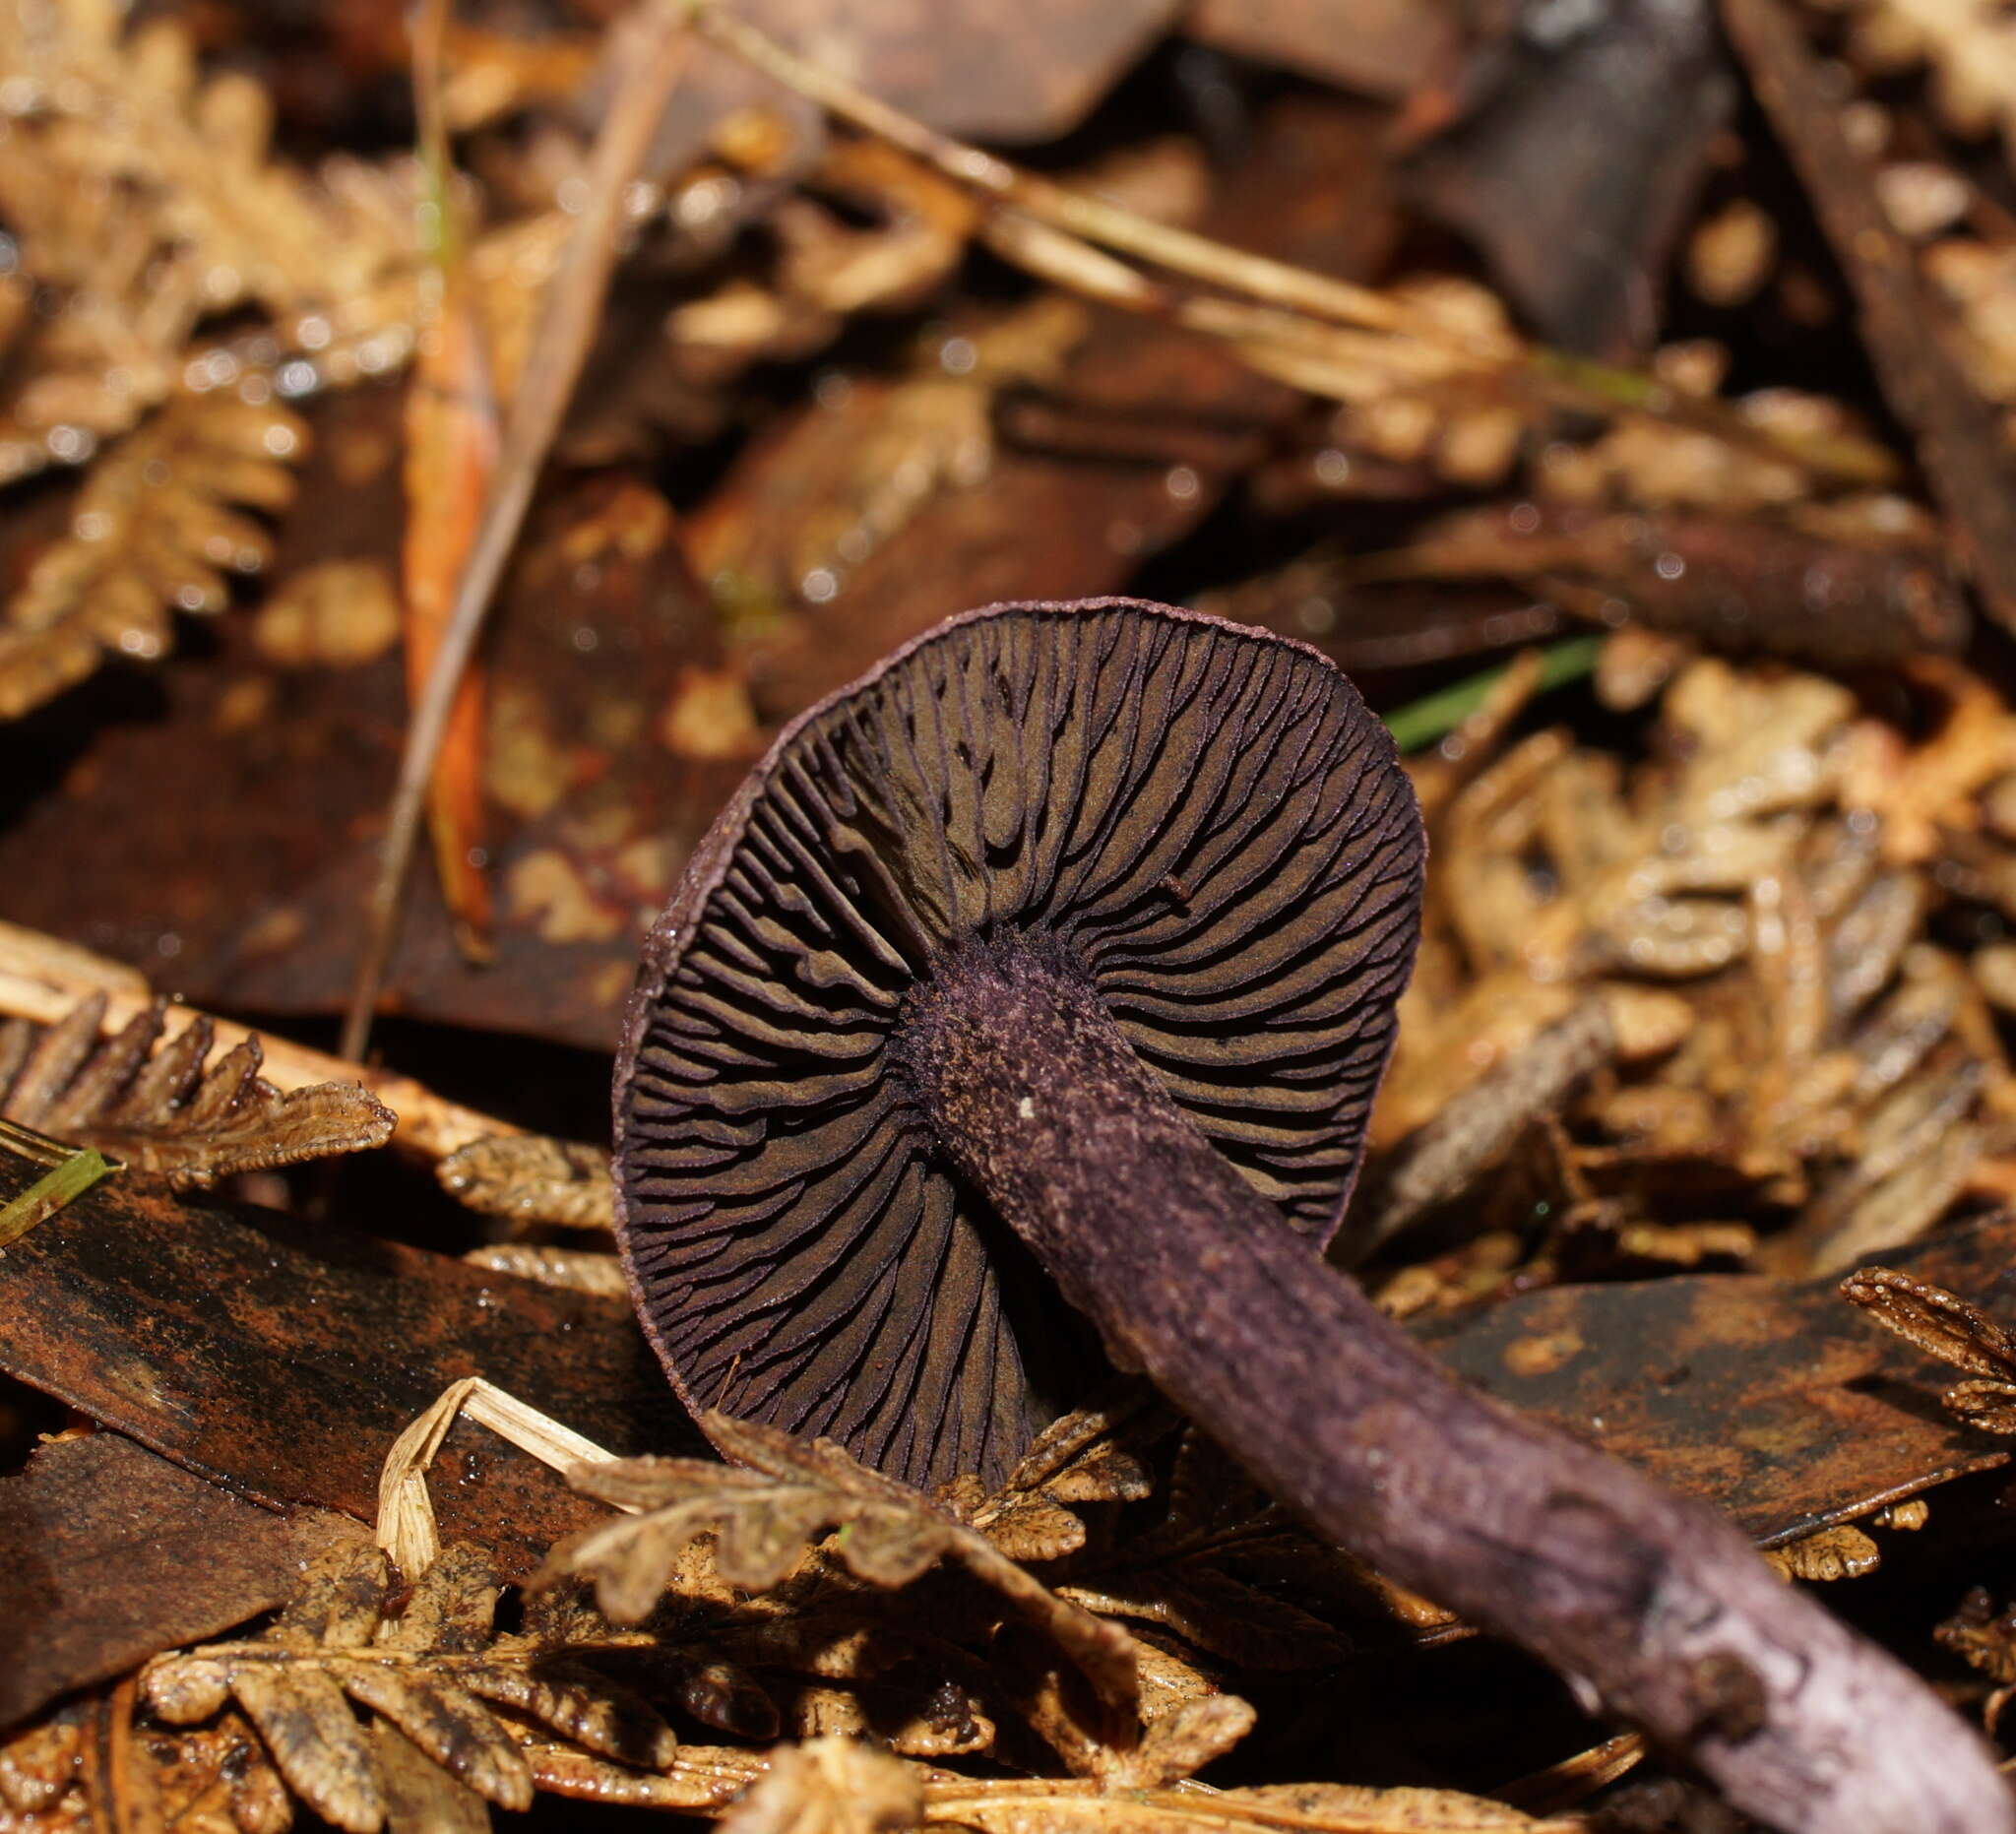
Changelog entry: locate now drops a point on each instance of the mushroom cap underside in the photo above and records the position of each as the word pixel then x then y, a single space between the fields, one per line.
pixel 1204 819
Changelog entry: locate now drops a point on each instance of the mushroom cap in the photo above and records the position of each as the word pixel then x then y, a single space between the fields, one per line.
pixel 1205 818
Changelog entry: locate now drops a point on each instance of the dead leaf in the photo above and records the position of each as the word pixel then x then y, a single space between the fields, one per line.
pixel 88 1597
pixel 531 1178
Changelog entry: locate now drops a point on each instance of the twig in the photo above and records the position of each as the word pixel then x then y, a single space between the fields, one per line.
pixel 44 979
pixel 1906 328
pixel 659 49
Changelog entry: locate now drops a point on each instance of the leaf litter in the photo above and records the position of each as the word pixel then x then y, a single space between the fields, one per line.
pixel 1713 1003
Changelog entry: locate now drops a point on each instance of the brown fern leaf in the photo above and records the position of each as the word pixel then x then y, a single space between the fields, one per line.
pixel 201 1780
pixel 829 1786
pixel 157 525
pixel 435 1672
pixel 1092 1456
pixel 164 1109
pixel 532 1178
pixel 143 197
pixel 1182 1571
pixel 764 1514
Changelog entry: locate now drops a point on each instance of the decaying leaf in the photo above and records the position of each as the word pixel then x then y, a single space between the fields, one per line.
pixel 55 1778
pixel 1839 1552
pixel 94 1599
pixel 529 1179
pixel 157 527
pixel 164 1109
pixel 436 1671
pixel 1984 1636
pixel 767 1511
pixel 829 1785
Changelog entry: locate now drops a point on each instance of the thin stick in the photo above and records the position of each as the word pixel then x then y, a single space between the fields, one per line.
pixel 661 49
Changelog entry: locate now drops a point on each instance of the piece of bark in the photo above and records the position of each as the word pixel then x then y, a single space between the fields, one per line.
pixel 1837 1417
pixel 1906 328
pixel 282 1357
pixel 116 1555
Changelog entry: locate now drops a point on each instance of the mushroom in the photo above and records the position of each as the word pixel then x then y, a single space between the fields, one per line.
pixel 1066 943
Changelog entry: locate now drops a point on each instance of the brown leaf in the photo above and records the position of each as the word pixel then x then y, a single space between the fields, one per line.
pixel 286 1355
pixel 93 1599
pixel 1823 1445
pixel 159 1108
pixel 829 1785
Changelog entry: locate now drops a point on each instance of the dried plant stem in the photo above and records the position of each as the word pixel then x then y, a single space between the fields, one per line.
pixel 659 48
pixel 1282 342
pixel 1655 1609
pixel 44 979
pixel 407 1527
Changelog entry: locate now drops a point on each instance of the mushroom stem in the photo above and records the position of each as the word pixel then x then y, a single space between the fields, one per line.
pixel 1655 1607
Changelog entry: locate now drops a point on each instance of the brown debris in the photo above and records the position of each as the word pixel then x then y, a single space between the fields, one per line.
pixel 531 1179
pixel 155 530
pixel 1908 330
pixel 166 1108
pixel 284 1358
pixel 764 1515
pixel 436 1671
pixel 120 1554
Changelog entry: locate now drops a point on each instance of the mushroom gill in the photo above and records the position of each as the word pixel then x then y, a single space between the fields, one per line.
pixel 1202 822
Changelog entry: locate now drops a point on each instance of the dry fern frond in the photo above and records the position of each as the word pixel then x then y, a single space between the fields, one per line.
pixel 532 1178
pixel 207 1779
pixel 829 1785
pixel 573 1268
pixel 435 1672
pixel 164 1109
pixel 1175 1573
pixel 786 1496
pixel 1092 1456
pixel 146 197
pixel 157 527
pixel 1302 1808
